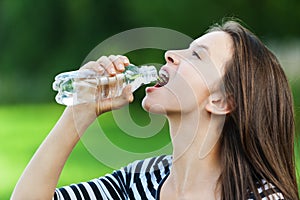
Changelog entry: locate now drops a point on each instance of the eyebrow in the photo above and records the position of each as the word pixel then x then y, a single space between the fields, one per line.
pixel 201 46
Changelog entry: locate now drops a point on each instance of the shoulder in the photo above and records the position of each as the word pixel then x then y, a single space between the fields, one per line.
pixel 142 177
pixel 163 162
pixel 138 180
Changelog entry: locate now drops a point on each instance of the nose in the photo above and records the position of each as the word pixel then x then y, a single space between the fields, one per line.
pixel 172 57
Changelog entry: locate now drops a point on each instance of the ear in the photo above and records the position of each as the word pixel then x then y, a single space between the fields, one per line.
pixel 217 104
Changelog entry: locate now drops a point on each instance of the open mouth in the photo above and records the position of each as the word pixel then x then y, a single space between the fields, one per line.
pixel 162 79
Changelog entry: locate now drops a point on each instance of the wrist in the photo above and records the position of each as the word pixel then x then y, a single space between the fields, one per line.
pixel 81 117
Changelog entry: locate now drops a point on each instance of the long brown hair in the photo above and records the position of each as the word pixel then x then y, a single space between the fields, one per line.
pixel 258 136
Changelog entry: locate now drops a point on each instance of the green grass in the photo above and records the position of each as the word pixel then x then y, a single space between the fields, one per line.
pixel 24 127
pixel 22 130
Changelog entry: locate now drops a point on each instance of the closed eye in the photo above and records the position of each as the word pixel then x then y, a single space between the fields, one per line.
pixel 197 55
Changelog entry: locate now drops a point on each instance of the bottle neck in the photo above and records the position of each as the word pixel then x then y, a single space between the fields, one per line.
pixel 149 73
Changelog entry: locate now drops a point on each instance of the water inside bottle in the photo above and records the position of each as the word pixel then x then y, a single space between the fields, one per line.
pixel 110 87
pixel 85 86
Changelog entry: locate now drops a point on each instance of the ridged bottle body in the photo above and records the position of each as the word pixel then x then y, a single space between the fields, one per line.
pixel 83 86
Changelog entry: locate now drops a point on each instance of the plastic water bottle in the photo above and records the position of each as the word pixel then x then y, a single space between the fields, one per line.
pixel 83 86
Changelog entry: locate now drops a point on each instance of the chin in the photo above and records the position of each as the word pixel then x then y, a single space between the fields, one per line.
pixel 153 107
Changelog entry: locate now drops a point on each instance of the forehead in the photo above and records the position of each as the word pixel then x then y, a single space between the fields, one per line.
pixel 219 38
pixel 219 45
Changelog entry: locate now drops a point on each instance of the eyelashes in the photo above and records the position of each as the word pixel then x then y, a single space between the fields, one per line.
pixel 201 53
pixel 196 54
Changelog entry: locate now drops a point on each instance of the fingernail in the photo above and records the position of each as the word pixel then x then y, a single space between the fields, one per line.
pixel 121 67
pixel 126 60
pixel 112 71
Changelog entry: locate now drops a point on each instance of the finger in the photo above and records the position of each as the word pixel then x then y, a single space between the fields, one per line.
pixel 125 60
pixel 115 103
pixel 90 65
pixel 93 66
pixel 118 62
pixel 127 95
pixel 120 102
pixel 107 64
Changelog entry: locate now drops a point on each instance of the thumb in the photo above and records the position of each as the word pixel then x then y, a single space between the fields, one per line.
pixel 109 104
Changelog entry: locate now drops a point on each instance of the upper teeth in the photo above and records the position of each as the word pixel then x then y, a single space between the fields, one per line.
pixel 163 77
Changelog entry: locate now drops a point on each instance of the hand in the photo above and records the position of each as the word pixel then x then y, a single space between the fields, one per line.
pixel 105 66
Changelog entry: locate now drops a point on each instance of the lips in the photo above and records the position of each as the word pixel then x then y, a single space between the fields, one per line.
pixel 163 78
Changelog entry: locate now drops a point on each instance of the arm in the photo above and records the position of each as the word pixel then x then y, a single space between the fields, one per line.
pixel 40 177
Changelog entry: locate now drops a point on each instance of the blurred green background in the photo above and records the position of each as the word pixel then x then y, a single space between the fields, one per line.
pixel 39 39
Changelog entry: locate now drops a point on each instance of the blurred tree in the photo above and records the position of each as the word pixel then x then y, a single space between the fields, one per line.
pixel 42 38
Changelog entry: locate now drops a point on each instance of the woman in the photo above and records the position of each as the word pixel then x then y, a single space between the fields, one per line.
pixel 231 120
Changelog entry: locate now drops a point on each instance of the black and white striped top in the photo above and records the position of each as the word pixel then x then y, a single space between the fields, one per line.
pixel 140 180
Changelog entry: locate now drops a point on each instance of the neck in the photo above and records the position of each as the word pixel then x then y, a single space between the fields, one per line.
pixel 195 153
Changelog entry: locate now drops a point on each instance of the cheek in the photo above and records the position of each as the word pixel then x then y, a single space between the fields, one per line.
pixel 190 88
pixel 184 93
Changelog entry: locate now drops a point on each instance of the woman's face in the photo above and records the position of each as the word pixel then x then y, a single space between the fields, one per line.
pixel 192 74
